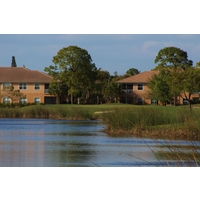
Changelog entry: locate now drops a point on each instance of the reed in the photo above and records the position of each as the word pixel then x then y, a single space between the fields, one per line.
pixel 42 111
pixel 178 154
pixel 159 122
pixel 10 113
pixel 73 113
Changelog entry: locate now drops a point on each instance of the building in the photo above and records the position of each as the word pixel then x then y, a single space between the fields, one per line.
pixel 33 84
pixel 135 90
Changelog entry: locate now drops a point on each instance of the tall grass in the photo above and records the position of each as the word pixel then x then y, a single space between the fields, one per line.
pixel 41 111
pixel 154 121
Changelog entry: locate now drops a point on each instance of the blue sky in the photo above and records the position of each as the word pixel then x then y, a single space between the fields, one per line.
pixel 111 52
pixel 118 36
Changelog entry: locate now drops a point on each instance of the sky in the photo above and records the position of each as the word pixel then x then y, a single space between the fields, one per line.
pixel 110 52
pixel 118 36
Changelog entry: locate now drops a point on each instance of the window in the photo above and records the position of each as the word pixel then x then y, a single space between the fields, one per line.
pixel 23 100
pixel 140 101
pixel 6 100
pixel 154 101
pixel 37 86
pixel 46 88
pixel 22 86
pixel 127 86
pixel 37 100
pixel 185 101
pixel 6 85
pixel 140 86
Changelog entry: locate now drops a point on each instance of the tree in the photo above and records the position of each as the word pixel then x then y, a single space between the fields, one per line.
pixel 175 61
pixel 112 90
pixel 132 72
pixel 74 67
pixel 190 83
pixel 172 57
pixel 13 95
pixel 102 79
pixel 57 88
pixel 159 89
pixel 197 64
pixel 13 64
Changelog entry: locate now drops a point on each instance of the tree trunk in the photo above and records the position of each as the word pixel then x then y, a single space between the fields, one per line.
pixel 190 105
pixel 72 99
pixel 174 99
pixel 58 99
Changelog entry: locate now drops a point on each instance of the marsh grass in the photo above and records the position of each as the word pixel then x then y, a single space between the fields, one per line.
pixel 161 122
pixel 73 113
pixel 180 155
pixel 41 111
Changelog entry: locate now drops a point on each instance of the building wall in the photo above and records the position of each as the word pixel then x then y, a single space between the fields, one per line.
pixel 30 92
pixel 134 95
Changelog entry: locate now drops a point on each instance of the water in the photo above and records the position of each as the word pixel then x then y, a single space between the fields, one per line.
pixel 62 143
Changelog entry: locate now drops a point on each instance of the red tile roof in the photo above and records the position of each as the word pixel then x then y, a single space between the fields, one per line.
pixel 139 78
pixel 21 74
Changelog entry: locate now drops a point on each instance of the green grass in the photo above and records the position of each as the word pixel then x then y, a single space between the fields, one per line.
pixel 63 111
pixel 150 121
pixel 122 119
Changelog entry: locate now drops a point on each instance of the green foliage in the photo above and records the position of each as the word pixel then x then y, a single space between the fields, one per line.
pixel 190 80
pixel 172 57
pixel 198 64
pixel 74 68
pixel 160 122
pixel 176 76
pixel 132 71
pixel 112 90
pixel 14 95
pixel 160 88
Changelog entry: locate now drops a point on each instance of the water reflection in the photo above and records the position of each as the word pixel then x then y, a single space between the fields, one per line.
pixel 56 143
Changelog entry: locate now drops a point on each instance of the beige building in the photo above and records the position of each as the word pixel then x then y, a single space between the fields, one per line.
pixel 135 90
pixel 33 84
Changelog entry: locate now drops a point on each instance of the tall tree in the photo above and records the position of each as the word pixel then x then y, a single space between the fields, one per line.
pixel 197 64
pixel 132 72
pixel 74 66
pixel 102 79
pixel 159 88
pixel 175 61
pixel 190 83
pixel 13 64
pixel 112 90
pixel 172 57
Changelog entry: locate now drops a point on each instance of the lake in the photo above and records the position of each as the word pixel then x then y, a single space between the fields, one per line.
pixel 64 143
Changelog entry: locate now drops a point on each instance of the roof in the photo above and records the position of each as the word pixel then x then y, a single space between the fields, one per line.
pixel 139 78
pixel 21 74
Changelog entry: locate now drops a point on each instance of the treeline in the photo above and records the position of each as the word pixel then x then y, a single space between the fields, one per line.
pixel 177 77
pixel 76 79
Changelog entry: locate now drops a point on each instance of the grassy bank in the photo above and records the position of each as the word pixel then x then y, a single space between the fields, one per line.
pixel 67 111
pixel 122 119
pixel 155 122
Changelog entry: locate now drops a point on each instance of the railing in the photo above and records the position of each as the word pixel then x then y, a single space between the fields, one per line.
pixel 196 93
pixel 46 91
pixel 128 91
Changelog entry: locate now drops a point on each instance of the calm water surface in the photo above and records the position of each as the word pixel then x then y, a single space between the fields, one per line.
pixel 62 143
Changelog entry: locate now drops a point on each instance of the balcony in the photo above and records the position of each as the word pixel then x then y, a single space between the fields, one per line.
pixel 46 91
pixel 128 91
